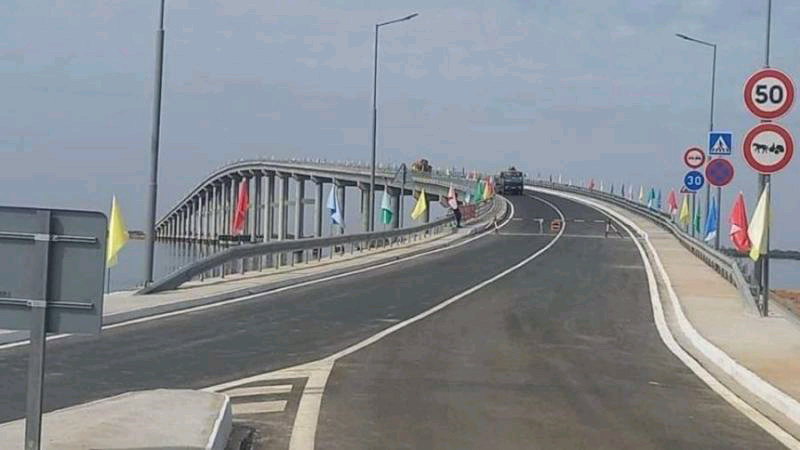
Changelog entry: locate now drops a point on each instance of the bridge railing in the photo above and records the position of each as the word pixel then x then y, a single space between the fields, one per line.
pixel 724 265
pixel 275 250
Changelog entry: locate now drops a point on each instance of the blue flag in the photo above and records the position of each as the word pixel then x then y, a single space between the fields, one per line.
pixel 658 203
pixel 711 222
pixel 333 207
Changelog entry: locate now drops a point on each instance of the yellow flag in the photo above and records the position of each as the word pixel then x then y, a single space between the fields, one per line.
pixel 759 226
pixel 421 206
pixel 684 215
pixel 117 234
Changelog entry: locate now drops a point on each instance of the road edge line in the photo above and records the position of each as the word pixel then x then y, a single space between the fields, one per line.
pixel 702 344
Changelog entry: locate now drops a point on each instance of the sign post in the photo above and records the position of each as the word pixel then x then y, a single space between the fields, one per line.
pixel 51 281
pixel 768 147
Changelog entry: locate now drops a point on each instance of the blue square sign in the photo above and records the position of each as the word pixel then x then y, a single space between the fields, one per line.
pixel 720 143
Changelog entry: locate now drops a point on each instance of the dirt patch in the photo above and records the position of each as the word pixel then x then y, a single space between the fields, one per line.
pixel 789 299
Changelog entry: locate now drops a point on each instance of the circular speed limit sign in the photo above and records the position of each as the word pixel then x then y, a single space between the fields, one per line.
pixel 769 93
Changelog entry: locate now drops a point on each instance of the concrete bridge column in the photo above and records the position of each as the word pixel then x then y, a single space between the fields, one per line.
pixel 207 214
pixel 212 212
pixel 283 206
pixel 190 222
pixel 257 206
pixel 394 203
pixel 364 187
pixel 269 204
pixel 201 216
pixel 234 189
pixel 182 223
pixel 299 210
pixel 341 197
pixel 299 206
pixel 318 207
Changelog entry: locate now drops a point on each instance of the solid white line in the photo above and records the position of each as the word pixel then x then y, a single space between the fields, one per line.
pixel 666 335
pixel 277 290
pixel 305 425
pixel 259 390
pixel 259 407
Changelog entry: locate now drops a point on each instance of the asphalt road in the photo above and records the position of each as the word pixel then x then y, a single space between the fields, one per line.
pixel 562 353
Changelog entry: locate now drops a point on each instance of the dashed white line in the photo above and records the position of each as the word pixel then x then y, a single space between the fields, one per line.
pixel 259 407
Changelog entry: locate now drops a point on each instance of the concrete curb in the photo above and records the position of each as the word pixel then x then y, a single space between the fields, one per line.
pixel 18 336
pixel 770 401
pixel 218 438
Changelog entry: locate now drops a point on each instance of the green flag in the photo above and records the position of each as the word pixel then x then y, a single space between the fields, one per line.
pixel 386 209
pixel 478 194
pixel 697 220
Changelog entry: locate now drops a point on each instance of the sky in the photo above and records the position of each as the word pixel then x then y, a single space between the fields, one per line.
pixel 589 89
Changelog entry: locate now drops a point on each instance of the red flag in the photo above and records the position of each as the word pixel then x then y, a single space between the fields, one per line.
pixel 591 184
pixel 738 221
pixel 242 203
pixel 672 202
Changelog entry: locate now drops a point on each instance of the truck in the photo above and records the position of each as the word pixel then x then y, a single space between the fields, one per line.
pixel 510 182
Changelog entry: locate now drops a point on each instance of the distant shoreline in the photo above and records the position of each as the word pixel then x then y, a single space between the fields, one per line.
pixel 775 253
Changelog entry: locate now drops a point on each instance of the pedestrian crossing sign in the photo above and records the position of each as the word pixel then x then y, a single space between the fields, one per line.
pixel 720 143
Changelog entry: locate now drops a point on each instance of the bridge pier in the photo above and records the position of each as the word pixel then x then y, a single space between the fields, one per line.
pixel 319 185
pixel 257 205
pixel 299 209
pixel 364 187
pixel 269 205
pixel 394 203
pixel 283 206
pixel 340 186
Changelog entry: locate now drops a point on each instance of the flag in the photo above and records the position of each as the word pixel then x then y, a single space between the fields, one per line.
pixel 386 209
pixel 612 188
pixel 602 189
pixel 697 218
pixel 451 198
pixel 738 221
pixel 650 198
pixel 622 191
pixel 759 226
pixel 658 201
pixel 421 206
pixel 684 215
pixel 478 193
pixel 333 207
pixel 641 193
pixel 242 203
pixel 117 234
pixel 559 178
pixel 711 222
pixel 591 184
pixel 672 202
pixel 488 190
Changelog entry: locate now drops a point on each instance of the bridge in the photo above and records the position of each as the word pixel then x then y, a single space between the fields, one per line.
pixel 563 318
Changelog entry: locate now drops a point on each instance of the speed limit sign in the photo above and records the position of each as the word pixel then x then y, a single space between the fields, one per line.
pixel 769 93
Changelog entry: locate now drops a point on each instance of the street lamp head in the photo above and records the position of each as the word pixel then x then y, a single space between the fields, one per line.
pixel 683 36
pixel 410 17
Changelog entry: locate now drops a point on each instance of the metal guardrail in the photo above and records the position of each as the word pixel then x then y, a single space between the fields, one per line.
pixel 724 265
pixel 360 241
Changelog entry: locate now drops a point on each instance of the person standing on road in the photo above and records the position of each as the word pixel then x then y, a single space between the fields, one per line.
pixel 454 203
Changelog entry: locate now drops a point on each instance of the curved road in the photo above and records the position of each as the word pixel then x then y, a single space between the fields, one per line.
pixel 561 353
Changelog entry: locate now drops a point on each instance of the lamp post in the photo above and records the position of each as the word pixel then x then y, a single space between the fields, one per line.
pixel 371 206
pixel 710 127
pixel 150 220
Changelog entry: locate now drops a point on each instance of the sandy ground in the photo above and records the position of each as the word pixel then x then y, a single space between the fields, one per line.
pixel 789 299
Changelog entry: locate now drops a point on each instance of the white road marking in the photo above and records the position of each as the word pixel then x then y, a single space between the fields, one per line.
pixel 258 407
pixel 276 290
pixel 666 335
pixel 305 424
pixel 259 390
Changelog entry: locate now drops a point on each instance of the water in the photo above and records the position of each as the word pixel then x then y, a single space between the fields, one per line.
pixel 783 273
pixel 169 256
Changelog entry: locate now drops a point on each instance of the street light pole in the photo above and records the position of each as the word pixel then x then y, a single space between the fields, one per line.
pixel 710 128
pixel 150 220
pixel 371 206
